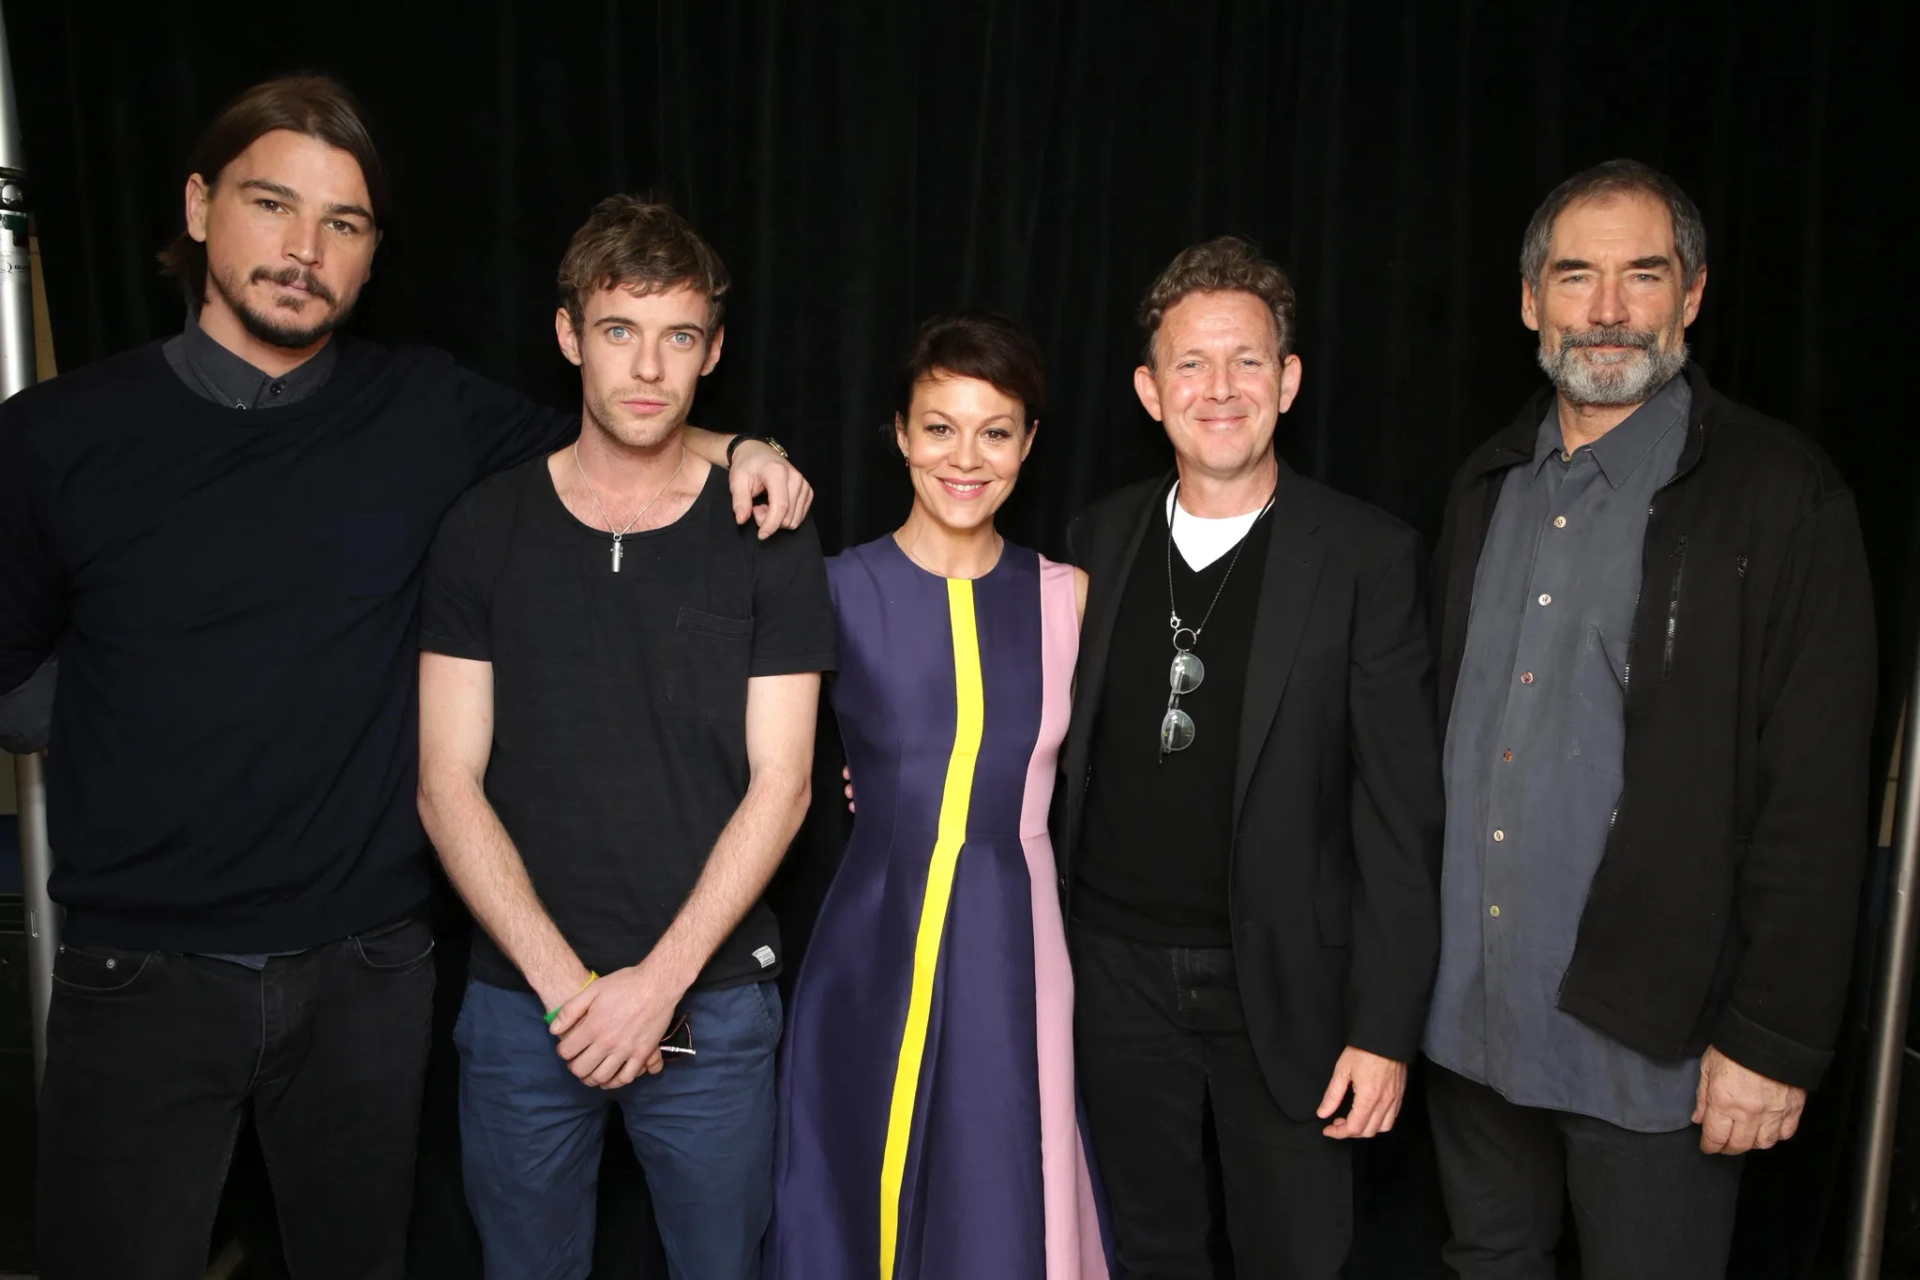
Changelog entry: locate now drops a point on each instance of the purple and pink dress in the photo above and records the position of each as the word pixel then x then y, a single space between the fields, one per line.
pixel 927 1122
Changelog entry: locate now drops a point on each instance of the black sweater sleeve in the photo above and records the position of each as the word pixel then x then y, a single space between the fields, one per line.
pixel 33 583
pixel 503 428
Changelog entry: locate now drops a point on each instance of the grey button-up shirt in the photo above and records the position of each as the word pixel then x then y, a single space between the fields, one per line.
pixel 225 378
pixel 1534 757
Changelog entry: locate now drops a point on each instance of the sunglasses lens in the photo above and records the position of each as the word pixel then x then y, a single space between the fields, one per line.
pixel 1187 673
pixel 1176 730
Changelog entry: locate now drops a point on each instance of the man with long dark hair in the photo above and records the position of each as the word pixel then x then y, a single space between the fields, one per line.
pixel 1657 671
pixel 221 538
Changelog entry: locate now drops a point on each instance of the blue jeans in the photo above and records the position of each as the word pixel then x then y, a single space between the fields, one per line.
pixel 531 1135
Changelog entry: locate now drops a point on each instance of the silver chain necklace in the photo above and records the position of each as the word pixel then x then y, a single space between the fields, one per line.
pixel 599 507
pixel 1173 608
pixel 1184 677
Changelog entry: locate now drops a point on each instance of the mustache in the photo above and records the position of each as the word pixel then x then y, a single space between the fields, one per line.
pixel 295 275
pixel 1610 335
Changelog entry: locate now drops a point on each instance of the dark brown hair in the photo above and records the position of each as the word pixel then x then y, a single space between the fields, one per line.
pixel 637 242
pixel 314 105
pixel 975 344
pixel 1616 177
pixel 1226 264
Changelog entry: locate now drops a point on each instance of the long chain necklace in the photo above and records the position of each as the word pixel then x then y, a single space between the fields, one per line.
pixel 1176 726
pixel 1173 608
pixel 599 507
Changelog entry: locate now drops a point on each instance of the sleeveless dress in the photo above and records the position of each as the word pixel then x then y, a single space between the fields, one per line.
pixel 928 1127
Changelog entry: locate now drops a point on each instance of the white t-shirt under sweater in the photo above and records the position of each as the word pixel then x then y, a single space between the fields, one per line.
pixel 1202 540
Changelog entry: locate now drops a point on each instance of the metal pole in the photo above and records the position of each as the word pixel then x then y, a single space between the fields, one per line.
pixel 1893 991
pixel 16 264
pixel 16 373
pixel 43 924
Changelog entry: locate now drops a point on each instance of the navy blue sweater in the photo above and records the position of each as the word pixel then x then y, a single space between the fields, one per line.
pixel 232 596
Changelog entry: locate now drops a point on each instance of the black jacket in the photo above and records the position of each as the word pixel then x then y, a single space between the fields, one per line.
pixel 1337 799
pixel 1723 910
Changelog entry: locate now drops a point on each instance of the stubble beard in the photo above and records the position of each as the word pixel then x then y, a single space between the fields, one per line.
pixel 290 334
pixel 624 431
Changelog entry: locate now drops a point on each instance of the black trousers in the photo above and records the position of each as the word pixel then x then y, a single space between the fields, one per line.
pixel 1646 1206
pixel 1159 1037
pixel 153 1058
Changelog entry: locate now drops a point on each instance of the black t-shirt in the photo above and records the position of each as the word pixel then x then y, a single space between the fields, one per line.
pixel 232 597
pixel 619 699
pixel 1153 864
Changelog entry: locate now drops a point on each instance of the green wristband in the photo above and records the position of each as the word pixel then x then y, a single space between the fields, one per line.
pixel 554 1012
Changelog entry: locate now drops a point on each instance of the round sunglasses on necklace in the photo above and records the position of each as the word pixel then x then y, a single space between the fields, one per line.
pixel 1176 727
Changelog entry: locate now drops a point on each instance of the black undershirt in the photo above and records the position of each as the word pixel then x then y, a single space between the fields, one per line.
pixel 1159 832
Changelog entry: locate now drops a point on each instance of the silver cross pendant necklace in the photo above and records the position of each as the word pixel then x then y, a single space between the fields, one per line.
pixel 599 507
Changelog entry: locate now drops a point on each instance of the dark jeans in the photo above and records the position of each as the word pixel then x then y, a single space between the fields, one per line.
pixel 1159 1036
pixel 154 1057
pixel 1646 1206
pixel 531 1135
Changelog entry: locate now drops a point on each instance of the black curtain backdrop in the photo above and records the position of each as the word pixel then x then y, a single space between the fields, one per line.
pixel 862 165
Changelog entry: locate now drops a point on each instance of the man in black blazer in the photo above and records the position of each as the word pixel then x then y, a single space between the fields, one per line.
pixel 1250 826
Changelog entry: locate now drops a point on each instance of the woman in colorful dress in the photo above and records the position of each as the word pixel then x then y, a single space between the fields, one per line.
pixel 927 1124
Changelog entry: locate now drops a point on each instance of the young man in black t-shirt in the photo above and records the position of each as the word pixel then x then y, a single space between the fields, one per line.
pixel 617 703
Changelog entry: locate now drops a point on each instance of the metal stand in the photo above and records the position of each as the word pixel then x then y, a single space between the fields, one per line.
pixel 17 372
pixel 43 922
pixel 1892 996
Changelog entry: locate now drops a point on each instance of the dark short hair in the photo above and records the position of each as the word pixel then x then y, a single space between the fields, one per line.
pixel 1226 264
pixel 314 105
pixel 1616 177
pixel 975 344
pixel 636 242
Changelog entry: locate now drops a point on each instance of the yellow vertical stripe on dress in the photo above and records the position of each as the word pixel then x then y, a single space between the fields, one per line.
pixel 969 723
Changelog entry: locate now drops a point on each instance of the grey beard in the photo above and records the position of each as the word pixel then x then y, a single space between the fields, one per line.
pixel 1631 380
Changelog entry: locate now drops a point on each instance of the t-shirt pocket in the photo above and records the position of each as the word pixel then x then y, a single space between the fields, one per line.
pixel 707 680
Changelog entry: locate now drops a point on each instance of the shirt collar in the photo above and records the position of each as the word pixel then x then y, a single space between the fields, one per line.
pixel 1621 451
pixel 228 379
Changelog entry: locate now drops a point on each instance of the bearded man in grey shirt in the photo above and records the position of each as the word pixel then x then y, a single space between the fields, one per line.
pixel 1656 644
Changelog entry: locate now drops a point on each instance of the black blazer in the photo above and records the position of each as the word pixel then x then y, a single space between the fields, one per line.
pixel 1333 886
